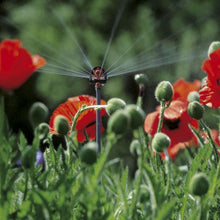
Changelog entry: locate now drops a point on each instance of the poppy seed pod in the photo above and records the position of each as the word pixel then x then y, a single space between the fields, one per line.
pixel 38 113
pixel 164 91
pixel 88 153
pixel 213 46
pixel 199 184
pixel 119 122
pixel 140 79
pixel 195 110
pixel 160 142
pixel 114 104
pixel 136 115
pixel 61 124
pixel 193 96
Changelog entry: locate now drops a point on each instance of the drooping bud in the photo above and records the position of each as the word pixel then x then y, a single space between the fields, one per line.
pixel 114 104
pixel 213 46
pixel 43 130
pixel 164 91
pixel 195 110
pixel 61 124
pixel 140 79
pixel 160 142
pixel 119 122
pixel 136 114
pixel 199 184
pixel 193 96
pixel 38 113
pixel 88 153
pixel 135 147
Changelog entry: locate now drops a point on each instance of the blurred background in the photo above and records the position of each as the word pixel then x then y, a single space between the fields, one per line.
pixel 167 31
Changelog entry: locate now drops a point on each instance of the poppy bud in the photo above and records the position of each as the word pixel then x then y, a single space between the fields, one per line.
pixel 164 91
pixel 118 122
pixel 193 96
pixel 213 46
pixel 135 147
pixel 140 79
pixel 114 104
pixel 38 113
pixel 195 110
pixel 199 184
pixel 43 130
pixel 28 158
pixel 136 114
pixel 61 124
pixel 160 142
pixel 88 153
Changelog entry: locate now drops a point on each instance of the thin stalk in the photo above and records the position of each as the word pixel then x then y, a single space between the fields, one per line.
pixel 163 107
pixel 2 112
pixel 98 118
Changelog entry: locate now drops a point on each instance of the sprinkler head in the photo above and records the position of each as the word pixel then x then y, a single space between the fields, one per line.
pixel 98 76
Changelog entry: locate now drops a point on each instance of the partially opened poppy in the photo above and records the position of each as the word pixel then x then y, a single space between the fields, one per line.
pixel 16 64
pixel 182 88
pixel 87 119
pixel 210 92
pixel 175 125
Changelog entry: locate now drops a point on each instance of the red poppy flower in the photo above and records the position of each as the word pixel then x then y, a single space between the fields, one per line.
pixel 16 64
pixel 210 93
pixel 182 88
pixel 175 125
pixel 86 120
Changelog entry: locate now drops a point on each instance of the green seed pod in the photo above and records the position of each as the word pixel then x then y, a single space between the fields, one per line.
pixel 88 153
pixel 195 110
pixel 199 184
pixel 28 158
pixel 140 79
pixel 119 122
pixel 114 104
pixel 43 130
pixel 160 142
pixel 135 147
pixel 164 91
pixel 38 113
pixel 193 96
pixel 61 124
pixel 213 46
pixel 136 115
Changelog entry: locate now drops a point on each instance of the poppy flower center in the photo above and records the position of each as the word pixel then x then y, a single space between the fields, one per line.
pixel 171 124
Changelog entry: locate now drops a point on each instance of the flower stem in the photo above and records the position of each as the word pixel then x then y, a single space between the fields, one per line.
pixel 163 107
pixel 210 139
pixel 2 114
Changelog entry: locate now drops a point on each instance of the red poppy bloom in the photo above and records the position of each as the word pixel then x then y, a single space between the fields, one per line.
pixel 210 93
pixel 86 120
pixel 175 125
pixel 16 64
pixel 182 88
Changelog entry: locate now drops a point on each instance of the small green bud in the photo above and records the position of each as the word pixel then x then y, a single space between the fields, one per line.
pixel 195 110
pixel 160 142
pixel 135 147
pixel 193 96
pixel 61 124
pixel 119 122
pixel 88 153
pixel 43 130
pixel 213 46
pixel 136 114
pixel 140 79
pixel 164 91
pixel 38 113
pixel 114 104
pixel 199 184
pixel 28 158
